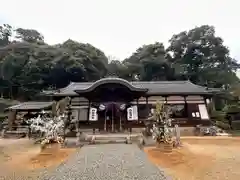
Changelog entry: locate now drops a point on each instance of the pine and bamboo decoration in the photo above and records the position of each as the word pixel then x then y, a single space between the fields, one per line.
pixel 62 105
pixel 54 109
pixel 161 130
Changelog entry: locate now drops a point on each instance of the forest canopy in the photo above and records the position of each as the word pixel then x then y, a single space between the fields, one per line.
pixel 28 64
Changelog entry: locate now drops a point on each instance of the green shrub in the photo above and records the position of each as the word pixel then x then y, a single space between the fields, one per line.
pixel 232 108
pixel 219 116
pixel 236 125
pixel 222 125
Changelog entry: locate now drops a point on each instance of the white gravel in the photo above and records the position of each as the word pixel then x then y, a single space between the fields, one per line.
pixel 107 162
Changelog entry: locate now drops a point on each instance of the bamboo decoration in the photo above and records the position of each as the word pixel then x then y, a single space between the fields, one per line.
pixel 54 109
pixel 158 111
pixel 62 105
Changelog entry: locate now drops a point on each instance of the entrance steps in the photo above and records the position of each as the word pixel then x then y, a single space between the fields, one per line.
pixel 113 138
pixel 110 138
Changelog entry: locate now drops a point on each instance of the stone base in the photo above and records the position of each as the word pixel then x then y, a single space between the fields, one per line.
pixel 177 144
pixel 164 147
pixel 187 131
pixel 128 140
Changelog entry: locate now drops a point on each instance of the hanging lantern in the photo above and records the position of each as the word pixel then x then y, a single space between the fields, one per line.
pixel 122 107
pixel 102 107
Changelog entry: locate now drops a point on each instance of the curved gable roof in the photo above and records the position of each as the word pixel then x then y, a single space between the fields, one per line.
pixel 153 87
pixel 120 81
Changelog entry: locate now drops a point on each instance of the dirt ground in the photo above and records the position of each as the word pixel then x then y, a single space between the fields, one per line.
pixel 22 158
pixel 201 158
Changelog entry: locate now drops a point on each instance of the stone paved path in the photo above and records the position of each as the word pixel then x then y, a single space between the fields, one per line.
pixel 107 162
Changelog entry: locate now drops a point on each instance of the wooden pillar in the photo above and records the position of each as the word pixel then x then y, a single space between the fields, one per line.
pixel 11 118
pixel 105 120
pixel 54 109
pixel 186 108
pixel 165 99
pixel 68 119
pixel 137 111
pixel 213 103
pixel 69 108
pixel 79 115
pixel 112 120
pixel 120 121
pixel 125 118
pixel 148 109
pixel 205 100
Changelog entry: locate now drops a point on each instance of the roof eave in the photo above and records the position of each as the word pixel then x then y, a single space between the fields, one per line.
pixel 179 93
pixel 27 109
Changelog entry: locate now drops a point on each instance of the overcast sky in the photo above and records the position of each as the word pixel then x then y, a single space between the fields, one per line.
pixel 119 27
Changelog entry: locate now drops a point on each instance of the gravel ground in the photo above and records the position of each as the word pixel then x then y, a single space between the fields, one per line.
pixel 107 162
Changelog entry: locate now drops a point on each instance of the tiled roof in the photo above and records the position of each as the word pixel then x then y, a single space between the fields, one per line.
pixel 31 106
pixel 153 87
pixel 171 87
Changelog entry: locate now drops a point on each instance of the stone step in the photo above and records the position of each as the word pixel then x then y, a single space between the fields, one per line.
pixel 106 138
pixel 114 136
pixel 110 137
pixel 73 142
pixel 108 141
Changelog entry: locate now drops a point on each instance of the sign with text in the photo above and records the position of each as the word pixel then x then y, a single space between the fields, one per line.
pixel 132 113
pixel 93 116
pixel 203 111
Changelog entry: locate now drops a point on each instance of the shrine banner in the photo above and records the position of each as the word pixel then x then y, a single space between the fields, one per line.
pixel 132 113
pixel 203 111
pixel 93 116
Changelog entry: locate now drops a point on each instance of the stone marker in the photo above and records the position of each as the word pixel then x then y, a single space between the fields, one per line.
pixel 177 132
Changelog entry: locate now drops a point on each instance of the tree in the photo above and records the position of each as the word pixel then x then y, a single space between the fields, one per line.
pixel 5 34
pixel 117 68
pixel 26 66
pixel 29 35
pixel 203 58
pixel 29 66
pixel 149 63
pixel 90 61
